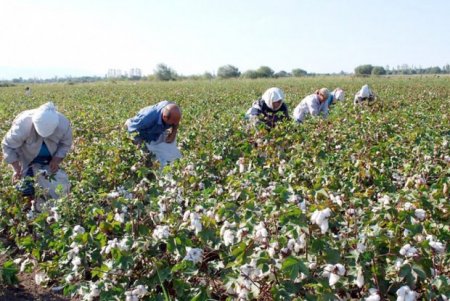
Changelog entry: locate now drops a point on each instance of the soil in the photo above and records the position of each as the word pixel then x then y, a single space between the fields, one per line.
pixel 27 289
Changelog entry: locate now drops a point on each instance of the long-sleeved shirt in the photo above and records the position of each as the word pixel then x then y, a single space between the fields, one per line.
pixel 148 122
pixel 22 143
pixel 260 108
pixel 310 105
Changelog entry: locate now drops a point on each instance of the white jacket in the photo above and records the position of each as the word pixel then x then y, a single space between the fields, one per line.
pixel 22 143
pixel 310 105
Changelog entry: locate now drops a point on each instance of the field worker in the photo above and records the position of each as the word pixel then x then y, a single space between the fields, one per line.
pixel 269 109
pixel 157 127
pixel 313 105
pixel 364 94
pixel 336 95
pixel 35 146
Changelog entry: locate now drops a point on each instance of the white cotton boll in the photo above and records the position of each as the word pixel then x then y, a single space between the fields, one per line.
pixel 228 237
pixel 129 296
pixel 340 269
pixel 360 278
pixel 406 294
pixel 161 232
pixel 406 233
pixel 76 261
pixel 320 217
pixel 196 224
pixel 119 217
pixel 113 195
pixel 360 247
pixel 373 297
pixel 140 291
pixel 437 246
pixel 193 254
pixel 186 215
pixel 78 229
pixel 241 165
pixel 408 251
pixel 312 266
pixel 327 270
pixel 385 200
pixel 271 252
pixel 333 279
pixel 40 278
pixel 69 278
pixel 291 244
pixel 408 206
pixel 420 214
pixel 324 226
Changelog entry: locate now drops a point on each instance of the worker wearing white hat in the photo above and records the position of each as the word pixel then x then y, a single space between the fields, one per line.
pixel 38 140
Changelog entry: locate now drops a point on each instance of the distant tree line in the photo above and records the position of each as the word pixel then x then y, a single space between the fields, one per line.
pixel 165 73
pixel 162 72
pixel 401 69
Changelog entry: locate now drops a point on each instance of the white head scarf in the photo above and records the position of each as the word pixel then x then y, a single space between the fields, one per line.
pixel 273 95
pixel 339 94
pixel 45 119
pixel 365 91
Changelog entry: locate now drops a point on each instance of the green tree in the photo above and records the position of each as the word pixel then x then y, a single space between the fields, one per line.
pixel 378 70
pixel 282 73
pixel 299 72
pixel 228 71
pixel 250 74
pixel 164 73
pixel 265 72
pixel 363 70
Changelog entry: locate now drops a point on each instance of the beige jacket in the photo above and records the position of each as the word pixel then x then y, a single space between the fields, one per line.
pixel 22 143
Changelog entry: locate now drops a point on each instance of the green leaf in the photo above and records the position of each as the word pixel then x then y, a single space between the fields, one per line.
pixel 9 272
pixel 292 266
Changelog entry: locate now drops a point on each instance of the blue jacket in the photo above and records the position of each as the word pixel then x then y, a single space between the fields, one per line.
pixel 148 122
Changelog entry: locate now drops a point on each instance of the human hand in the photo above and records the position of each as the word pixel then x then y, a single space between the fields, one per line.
pixel 17 171
pixel 171 137
pixel 54 164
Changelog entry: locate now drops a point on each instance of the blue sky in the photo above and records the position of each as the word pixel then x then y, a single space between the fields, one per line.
pixel 49 38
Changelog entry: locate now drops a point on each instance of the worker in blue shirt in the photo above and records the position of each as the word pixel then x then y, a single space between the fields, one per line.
pixel 157 127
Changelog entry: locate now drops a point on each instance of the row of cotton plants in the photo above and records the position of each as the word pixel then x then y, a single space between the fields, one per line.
pixel 353 207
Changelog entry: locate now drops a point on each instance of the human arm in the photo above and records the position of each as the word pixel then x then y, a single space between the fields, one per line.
pixel 17 170
pixel 15 138
pixel 65 143
pixel 54 164
pixel 173 134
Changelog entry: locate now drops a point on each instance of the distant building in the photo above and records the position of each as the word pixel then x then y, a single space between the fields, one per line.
pixel 135 72
pixel 114 73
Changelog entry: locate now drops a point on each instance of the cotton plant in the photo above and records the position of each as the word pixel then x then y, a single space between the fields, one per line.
pixel 295 245
pixel 406 294
pixel 77 230
pixel 193 254
pixel 260 233
pixel 408 251
pixel 333 272
pixel 137 293
pixel 420 214
pixel 41 278
pixel 373 295
pixel 320 218
pixel 195 222
pixel 161 232
pixel 246 283
pixel 359 281
pixel 436 245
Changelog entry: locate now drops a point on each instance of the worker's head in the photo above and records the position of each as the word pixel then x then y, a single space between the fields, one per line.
pixel 273 98
pixel 171 114
pixel 45 119
pixel 323 94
